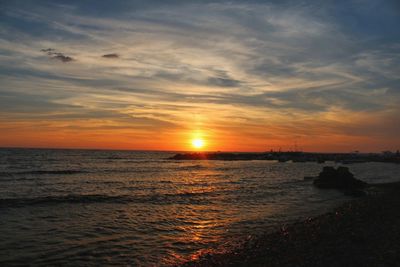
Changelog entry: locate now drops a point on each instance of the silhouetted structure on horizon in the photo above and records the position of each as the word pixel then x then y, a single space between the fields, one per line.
pixel 345 158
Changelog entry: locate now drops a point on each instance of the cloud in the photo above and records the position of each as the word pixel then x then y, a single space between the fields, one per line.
pixel 113 55
pixel 57 55
pixel 62 57
pixel 48 50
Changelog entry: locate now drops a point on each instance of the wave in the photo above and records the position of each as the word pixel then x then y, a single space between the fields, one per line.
pixel 54 172
pixel 8 174
pixel 12 179
pixel 112 171
pixel 162 199
pixel 131 170
pixel 48 200
pixel 5 174
pixel 191 167
pixel 294 182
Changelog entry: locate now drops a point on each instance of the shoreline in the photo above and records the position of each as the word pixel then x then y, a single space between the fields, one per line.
pixel 361 232
pixel 293 156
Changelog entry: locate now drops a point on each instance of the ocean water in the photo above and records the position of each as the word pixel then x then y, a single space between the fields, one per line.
pixel 92 207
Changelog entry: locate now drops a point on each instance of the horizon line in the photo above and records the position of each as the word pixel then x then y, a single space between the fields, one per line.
pixel 192 151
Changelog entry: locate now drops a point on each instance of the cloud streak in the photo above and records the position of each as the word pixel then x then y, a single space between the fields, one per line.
pixel 57 55
pixel 113 55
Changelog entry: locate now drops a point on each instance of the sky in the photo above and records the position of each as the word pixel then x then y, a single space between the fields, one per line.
pixel 239 75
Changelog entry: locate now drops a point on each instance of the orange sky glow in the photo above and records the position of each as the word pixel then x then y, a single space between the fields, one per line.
pixel 315 136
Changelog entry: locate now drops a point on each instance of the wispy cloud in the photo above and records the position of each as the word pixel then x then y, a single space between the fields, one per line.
pixel 52 53
pixel 113 55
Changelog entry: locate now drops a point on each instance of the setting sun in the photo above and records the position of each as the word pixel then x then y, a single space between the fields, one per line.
pixel 198 143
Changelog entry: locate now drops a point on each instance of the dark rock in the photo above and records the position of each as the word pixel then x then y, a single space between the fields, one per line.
pixel 355 193
pixel 340 178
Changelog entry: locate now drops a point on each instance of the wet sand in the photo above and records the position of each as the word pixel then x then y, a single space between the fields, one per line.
pixel 362 232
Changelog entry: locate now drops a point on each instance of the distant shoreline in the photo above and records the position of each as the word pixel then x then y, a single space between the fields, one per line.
pixel 345 158
pixel 361 232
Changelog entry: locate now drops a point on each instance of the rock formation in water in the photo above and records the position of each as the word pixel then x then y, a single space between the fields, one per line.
pixel 341 179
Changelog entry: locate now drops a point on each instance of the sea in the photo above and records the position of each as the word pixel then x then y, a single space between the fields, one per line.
pixel 139 208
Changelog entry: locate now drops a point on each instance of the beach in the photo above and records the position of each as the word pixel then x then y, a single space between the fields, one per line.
pixel 362 232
